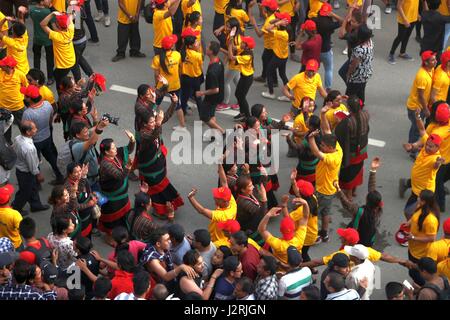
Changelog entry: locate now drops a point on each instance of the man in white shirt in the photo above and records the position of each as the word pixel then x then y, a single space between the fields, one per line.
pixel 363 269
pixel 141 286
pixel 335 284
pixel 296 278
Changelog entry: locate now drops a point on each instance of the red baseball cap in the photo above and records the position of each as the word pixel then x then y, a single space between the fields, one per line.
pixel 309 25
pixel 28 256
pixel 312 65
pixel 427 55
pixel 437 140
pixel 442 113
pixel 8 61
pixel 306 188
pixel 169 41
pixel 249 41
pixel 400 236
pixel 31 91
pixel 5 193
pixel 445 58
pixel 446 226
pixel 232 226
pixel 160 1
pixel 283 16
pixel 325 9
pixel 287 228
pixel 222 193
pixel 62 20
pixel 189 32
pixel 350 235
pixel 271 4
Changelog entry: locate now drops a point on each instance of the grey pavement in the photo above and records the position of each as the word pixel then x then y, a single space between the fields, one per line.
pixel 386 95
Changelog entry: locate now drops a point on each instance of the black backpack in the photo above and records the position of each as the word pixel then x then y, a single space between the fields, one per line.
pixel 443 294
pixel 149 10
pixel 42 254
pixel 8 156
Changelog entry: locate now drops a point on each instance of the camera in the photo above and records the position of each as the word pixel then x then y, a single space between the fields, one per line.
pixel 5 115
pixel 111 119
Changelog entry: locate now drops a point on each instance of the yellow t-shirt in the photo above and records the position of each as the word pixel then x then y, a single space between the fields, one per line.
pixel 327 171
pixel 302 86
pixel 300 126
pixel 443 9
pixel 162 27
pixel 423 173
pixel 173 61
pixel 239 14
pixel 233 65
pixel 441 81
pixel 374 255
pixel 63 49
pixel 245 64
pixel 47 94
pixel 219 6
pixel 268 36
pixel 314 8
pixel 288 7
pixel 193 63
pixel 312 230
pixel 17 48
pixel 411 10
pixel 59 5
pixel 188 10
pixel 9 225
pixel 226 242
pixel 132 8
pixel 444 133
pixel 429 228
pixel 359 3
pixel 424 81
pixel 220 215
pixel 10 96
pixel 443 268
pixel 280 246
pixel 332 120
pixel 438 250
pixel 281 43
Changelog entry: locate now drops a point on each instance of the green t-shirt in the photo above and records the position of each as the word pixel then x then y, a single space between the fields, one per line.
pixel 39 35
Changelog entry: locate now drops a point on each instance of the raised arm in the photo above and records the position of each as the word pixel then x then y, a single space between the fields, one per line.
pixel 45 21
pixel 374 165
pixel 197 206
pixel 173 6
pixel 313 146
pixel 262 227
pixel 324 124
pixel 346 204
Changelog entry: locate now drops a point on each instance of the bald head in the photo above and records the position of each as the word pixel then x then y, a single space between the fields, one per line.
pixel 27 128
pixel 160 292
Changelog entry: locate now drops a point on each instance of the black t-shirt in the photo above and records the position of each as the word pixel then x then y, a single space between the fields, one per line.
pixel 94 266
pixel 433 30
pixel 326 27
pixel 352 41
pixel 215 79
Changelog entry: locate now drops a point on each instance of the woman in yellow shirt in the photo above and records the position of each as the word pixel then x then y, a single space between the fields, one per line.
pixel 194 21
pixel 245 62
pixel 168 64
pixel 234 9
pixel 424 225
pixel 191 67
pixel 280 52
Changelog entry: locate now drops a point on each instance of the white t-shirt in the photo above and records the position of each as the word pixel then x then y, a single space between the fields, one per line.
pixel 359 272
pixel 345 294
pixel 127 296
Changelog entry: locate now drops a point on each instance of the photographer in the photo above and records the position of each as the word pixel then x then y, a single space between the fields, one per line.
pixel 6 120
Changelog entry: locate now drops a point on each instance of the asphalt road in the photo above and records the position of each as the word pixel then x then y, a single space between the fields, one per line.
pixel 386 95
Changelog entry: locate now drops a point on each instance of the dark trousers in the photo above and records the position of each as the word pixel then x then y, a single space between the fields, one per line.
pixel 242 88
pixel 188 88
pixel 343 70
pixel 414 273
pixel 102 5
pixel 219 20
pixel 46 148
pixel 90 21
pixel 305 254
pixel 291 30
pixel 442 176
pixel 17 118
pixel 403 35
pixel 419 23
pixel 274 64
pixel 81 62
pixel 60 74
pixel 128 33
pixel 266 57
pixel 48 58
pixel 358 89
pixel 28 191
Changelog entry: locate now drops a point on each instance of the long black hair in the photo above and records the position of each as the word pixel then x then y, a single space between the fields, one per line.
pixel 105 146
pixel 141 202
pixel 232 4
pixel 187 42
pixel 191 18
pixel 162 60
pixel 121 237
pixel 430 206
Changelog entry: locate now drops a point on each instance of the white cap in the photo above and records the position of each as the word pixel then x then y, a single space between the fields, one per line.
pixel 358 250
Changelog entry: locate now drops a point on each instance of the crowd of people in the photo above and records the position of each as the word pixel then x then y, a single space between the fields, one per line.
pixel 236 257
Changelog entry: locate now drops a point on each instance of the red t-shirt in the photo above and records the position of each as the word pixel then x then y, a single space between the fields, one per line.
pixel 311 49
pixel 122 282
pixel 250 259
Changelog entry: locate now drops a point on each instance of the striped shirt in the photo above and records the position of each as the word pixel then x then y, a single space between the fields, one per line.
pixel 292 283
pixel 24 292
pixel 345 294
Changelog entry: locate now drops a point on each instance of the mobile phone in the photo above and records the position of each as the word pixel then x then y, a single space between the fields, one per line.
pixel 408 285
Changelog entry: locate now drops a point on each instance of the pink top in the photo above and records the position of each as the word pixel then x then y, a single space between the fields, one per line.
pixel 134 248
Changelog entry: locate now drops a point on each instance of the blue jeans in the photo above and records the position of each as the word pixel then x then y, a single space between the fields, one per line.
pixel 446 35
pixel 413 131
pixel 327 60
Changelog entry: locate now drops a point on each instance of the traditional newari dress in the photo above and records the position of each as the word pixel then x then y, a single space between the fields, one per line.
pixel 114 185
pixel 353 136
pixel 153 170
pixel 84 209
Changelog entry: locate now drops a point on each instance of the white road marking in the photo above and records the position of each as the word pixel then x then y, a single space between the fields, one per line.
pixel 131 91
